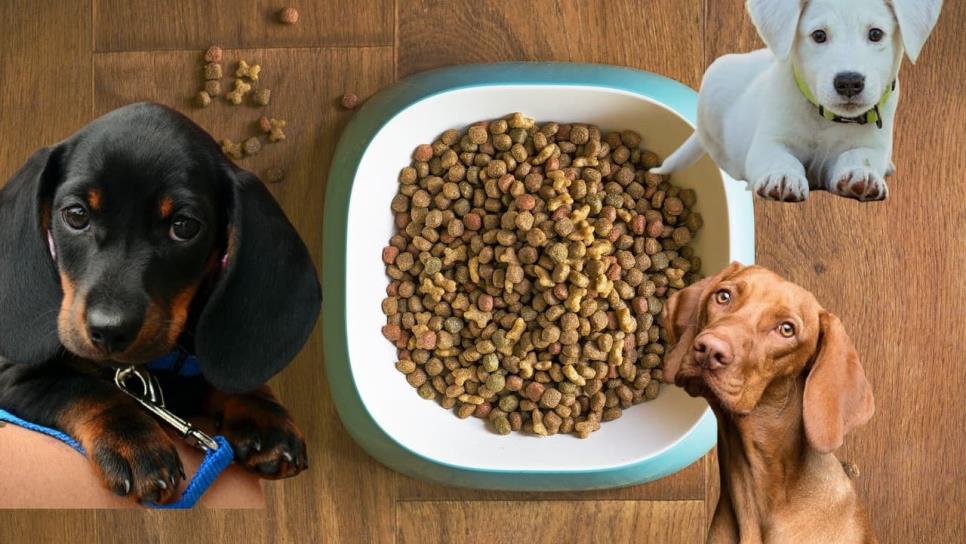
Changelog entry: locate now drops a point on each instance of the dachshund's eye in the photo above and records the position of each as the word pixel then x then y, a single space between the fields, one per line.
pixel 786 329
pixel 184 228
pixel 723 296
pixel 76 217
pixel 876 34
pixel 820 36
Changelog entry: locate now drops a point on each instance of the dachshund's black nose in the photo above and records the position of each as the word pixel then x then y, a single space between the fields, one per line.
pixel 112 331
pixel 711 352
pixel 849 84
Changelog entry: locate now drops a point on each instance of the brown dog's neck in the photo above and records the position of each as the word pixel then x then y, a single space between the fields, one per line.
pixel 765 460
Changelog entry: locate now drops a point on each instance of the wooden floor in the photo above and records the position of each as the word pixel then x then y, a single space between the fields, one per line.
pixel 893 271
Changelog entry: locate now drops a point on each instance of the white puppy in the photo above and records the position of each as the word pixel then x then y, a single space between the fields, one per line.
pixel 815 109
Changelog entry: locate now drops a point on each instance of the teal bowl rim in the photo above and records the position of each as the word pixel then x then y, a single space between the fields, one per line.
pixel 367 122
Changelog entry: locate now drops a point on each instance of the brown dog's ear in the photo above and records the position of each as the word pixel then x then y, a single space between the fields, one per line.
pixel 838 397
pixel 266 301
pixel 681 316
pixel 30 292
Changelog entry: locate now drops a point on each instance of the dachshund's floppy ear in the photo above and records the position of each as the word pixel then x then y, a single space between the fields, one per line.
pixel 838 397
pixel 266 301
pixel 777 23
pixel 30 292
pixel 916 20
pixel 682 316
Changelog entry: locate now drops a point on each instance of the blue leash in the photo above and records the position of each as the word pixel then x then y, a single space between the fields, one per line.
pixel 214 463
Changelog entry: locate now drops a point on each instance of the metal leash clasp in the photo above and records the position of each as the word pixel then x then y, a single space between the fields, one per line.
pixel 152 399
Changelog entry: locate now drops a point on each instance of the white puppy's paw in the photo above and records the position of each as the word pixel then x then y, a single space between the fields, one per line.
pixel 660 170
pixel 890 170
pixel 861 184
pixel 782 186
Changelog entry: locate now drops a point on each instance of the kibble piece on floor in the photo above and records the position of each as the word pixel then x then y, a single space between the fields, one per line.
pixel 213 87
pixel 263 97
pixel 350 101
pixel 274 174
pixel 288 16
pixel 232 149
pixel 265 124
pixel 203 99
pixel 276 134
pixel 250 71
pixel 213 54
pixel 236 96
pixel 213 70
pixel 252 146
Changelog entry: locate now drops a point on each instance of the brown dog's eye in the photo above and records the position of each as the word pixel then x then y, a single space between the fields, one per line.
pixel 820 36
pixel 723 296
pixel 786 329
pixel 876 34
pixel 76 217
pixel 184 228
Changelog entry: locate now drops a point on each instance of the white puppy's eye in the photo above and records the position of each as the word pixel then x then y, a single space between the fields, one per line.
pixel 820 36
pixel 876 35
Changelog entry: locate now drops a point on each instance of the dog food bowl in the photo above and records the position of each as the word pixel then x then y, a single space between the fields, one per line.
pixel 378 407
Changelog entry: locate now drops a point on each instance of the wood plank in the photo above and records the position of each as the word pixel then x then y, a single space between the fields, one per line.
pixel 686 484
pixel 137 25
pixel 45 76
pixel 537 522
pixel 664 36
pixel 890 271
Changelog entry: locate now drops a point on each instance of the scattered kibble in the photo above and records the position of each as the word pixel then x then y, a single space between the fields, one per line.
pixel 288 16
pixel 203 99
pixel 246 70
pixel 241 89
pixel 232 149
pixel 213 71
pixel 213 87
pixel 350 101
pixel 276 134
pixel 529 267
pixel 252 146
pixel 213 54
pixel 274 174
pixel 263 97
pixel 264 124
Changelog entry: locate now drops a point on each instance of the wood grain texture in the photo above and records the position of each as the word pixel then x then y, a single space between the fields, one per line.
pixel 893 271
pixel 434 33
pixel 139 25
pixel 45 76
pixel 539 522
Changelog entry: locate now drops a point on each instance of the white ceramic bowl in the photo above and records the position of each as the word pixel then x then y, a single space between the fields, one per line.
pixel 383 412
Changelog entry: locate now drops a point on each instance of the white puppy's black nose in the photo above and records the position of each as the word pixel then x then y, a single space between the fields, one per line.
pixel 849 84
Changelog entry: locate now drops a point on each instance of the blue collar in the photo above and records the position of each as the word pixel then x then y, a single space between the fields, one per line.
pixel 179 362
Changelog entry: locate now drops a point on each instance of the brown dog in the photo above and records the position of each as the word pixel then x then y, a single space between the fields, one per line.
pixel 786 385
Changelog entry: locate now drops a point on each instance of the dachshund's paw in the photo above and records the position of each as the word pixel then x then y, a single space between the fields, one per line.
pixel 783 187
pixel 264 437
pixel 142 464
pixel 861 184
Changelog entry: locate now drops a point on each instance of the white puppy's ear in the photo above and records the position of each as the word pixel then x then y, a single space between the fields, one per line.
pixel 916 20
pixel 777 23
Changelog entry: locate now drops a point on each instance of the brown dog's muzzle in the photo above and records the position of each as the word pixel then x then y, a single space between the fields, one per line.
pixel 712 352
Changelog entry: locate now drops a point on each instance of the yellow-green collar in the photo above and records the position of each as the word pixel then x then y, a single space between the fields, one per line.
pixel 871 116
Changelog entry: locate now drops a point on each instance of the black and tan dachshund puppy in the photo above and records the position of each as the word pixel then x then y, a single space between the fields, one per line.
pixel 134 238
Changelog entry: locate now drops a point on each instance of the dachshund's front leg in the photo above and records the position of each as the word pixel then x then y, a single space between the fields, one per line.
pixel 261 431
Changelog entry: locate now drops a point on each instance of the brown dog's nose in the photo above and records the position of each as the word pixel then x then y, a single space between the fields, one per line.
pixel 712 352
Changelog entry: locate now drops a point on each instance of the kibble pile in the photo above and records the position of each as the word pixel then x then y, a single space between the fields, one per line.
pixel 528 270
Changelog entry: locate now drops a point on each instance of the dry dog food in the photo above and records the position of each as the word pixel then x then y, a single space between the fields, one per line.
pixel 214 54
pixel 252 146
pixel 249 71
pixel 212 71
pixel 241 89
pixel 528 269
pixel 213 88
pixel 263 97
pixel 275 132
pixel 288 16
pixel 232 149
pixel 350 101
